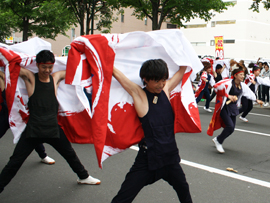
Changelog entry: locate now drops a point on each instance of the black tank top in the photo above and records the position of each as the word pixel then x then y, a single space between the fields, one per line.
pixel 43 109
pixel 158 127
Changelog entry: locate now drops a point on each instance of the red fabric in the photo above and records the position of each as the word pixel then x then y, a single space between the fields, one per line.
pixel 14 70
pixel 216 121
pixel 185 121
pixel 202 85
pixel 91 130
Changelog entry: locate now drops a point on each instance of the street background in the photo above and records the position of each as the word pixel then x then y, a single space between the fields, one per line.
pixel 247 152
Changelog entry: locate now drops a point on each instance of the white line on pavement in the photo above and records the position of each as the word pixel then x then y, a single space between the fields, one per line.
pixel 256 114
pixel 221 172
pixel 254 132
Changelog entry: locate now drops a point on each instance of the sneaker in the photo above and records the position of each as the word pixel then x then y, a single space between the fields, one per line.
pixel 218 145
pixel 266 104
pixel 89 181
pixel 208 110
pixel 243 119
pixel 48 160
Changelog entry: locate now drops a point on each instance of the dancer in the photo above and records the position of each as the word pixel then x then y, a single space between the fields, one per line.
pixel 217 77
pixel 229 93
pixel 203 90
pixel 253 81
pixel 158 157
pixel 42 125
pixel 40 149
pixel 265 73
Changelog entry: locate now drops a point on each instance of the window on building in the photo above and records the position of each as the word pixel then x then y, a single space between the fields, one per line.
pixel 213 23
pixel 212 42
pixel 145 21
pixel 171 26
pixel 223 22
pixel 196 26
pixel 198 43
pixel 122 18
pixel 65 50
pixel 229 41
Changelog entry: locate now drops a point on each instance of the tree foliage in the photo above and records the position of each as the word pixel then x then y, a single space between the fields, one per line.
pixel 256 3
pixel 44 18
pixel 7 25
pixel 86 11
pixel 175 11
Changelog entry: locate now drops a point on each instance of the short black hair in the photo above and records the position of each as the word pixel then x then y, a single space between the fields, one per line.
pixel 45 56
pixel 218 66
pixel 154 69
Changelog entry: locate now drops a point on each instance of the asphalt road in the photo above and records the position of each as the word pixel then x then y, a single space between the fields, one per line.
pixel 247 151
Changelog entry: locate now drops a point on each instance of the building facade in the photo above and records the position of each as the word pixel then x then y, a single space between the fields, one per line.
pixel 245 33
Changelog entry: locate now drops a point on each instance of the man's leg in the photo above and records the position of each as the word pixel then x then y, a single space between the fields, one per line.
pixel 136 179
pixel 63 146
pixel 22 150
pixel 40 149
pixel 249 108
pixel 175 177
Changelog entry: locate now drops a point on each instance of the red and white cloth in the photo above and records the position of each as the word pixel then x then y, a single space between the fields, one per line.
pixel 202 83
pixel 111 124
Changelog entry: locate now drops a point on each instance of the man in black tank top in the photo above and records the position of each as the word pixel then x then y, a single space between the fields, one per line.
pixel 4 123
pixel 42 126
pixel 158 157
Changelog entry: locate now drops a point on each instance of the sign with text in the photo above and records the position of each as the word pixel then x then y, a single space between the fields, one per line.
pixel 9 40
pixel 219 52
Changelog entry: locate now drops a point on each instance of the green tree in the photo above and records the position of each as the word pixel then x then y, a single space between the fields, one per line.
pixel 44 18
pixel 6 25
pixel 86 11
pixel 174 11
pixel 256 3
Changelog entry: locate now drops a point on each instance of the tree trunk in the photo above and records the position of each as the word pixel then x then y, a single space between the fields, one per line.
pixel 25 28
pixel 82 27
pixel 155 6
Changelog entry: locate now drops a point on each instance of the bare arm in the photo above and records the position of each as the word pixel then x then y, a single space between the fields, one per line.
pixel 29 79
pixel 2 81
pixel 223 67
pixel 175 80
pixel 57 78
pixel 137 93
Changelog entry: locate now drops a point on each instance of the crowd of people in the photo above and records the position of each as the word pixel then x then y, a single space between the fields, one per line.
pixel 237 88
pixel 158 157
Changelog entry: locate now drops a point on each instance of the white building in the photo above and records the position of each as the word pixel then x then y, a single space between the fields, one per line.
pixel 245 33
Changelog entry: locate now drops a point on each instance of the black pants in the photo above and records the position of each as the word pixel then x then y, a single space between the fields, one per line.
pixel 4 126
pixel 139 176
pixel 204 92
pixel 247 106
pixel 229 122
pixel 265 93
pixel 26 145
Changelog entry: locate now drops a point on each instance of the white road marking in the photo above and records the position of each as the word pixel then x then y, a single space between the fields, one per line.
pixel 253 132
pixel 220 172
pixel 256 114
pixel 248 131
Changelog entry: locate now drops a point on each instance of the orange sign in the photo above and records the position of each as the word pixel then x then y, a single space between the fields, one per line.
pixel 219 52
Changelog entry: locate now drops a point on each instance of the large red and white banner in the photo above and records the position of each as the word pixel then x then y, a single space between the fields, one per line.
pixel 111 124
